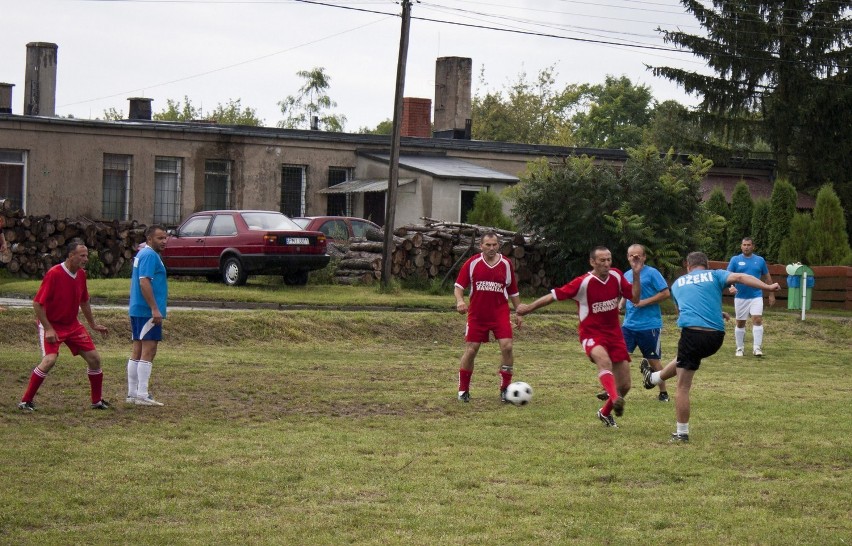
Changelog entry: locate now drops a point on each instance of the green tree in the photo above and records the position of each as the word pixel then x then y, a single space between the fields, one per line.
pixel 794 248
pixel 829 243
pixel 617 115
pixel 739 224
pixel 760 226
pixel 488 211
pixel 716 243
pixel 782 208
pixel 113 115
pixel 231 113
pixel 175 111
pixel 311 101
pixel 383 128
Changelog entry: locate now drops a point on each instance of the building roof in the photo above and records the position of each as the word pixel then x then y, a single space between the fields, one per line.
pixel 758 188
pixel 447 167
pixel 363 186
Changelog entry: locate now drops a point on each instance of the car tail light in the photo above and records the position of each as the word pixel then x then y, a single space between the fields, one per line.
pixel 270 239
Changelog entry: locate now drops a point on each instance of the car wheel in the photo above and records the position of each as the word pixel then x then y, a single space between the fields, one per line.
pixel 299 278
pixel 233 272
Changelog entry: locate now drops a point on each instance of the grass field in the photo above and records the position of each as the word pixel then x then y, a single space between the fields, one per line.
pixel 334 427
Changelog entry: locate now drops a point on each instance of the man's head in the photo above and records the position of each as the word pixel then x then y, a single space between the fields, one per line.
pixel 155 237
pixel 695 260
pixel 489 243
pixel 77 255
pixel 747 246
pixel 636 250
pixel 601 260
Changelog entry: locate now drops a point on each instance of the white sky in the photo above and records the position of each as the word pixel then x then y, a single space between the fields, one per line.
pixel 216 50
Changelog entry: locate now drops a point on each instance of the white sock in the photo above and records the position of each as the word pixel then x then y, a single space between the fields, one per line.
pixel 143 372
pixel 655 378
pixel 683 428
pixel 739 334
pixel 757 332
pixel 132 378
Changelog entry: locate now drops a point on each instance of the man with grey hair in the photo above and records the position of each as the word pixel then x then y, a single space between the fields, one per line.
pixel 698 296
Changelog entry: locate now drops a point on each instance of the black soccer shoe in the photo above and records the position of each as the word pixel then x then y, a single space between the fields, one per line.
pixel 607 420
pixel 464 396
pixel 646 370
pixel 26 406
pixel 663 397
pixel 101 404
pixel 602 396
pixel 679 438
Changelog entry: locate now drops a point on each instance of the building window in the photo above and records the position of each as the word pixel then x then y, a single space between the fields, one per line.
pixel 468 194
pixel 116 191
pixel 167 184
pixel 217 184
pixel 293 190
pixel 339 204
pixel 13 170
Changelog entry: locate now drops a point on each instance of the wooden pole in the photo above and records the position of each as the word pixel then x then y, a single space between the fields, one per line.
pixel 393 175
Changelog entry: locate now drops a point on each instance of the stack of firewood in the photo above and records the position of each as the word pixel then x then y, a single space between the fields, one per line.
pixel 37 243
pixel 437 249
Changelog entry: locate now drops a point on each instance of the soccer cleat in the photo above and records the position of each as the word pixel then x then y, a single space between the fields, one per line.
pixel 464 396
pixel 146 401
pixel 607 420
pixel 646 370
pixel 679 438
pixel 26 406
pixel 739 352
pixel 618 406
pixel 757 352
pixel 503 396
pixel 603 396
pixel 101 404
pixel 663 397
pixel 130 399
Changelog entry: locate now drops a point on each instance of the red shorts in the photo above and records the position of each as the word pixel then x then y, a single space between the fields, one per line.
pixel 614 345
pixel 478 332
pixel 77 339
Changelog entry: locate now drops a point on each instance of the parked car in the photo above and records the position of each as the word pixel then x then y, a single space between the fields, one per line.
pixel 230 245
pixel 337 228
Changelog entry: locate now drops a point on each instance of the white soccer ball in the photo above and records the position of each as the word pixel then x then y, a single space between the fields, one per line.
pixel 519 393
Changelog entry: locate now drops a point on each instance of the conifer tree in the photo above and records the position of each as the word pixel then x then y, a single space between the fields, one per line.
pixel 716 246
pixel 739 224
pixel 794 248
pixel 782 208
pixel 828 242
pixel 760 226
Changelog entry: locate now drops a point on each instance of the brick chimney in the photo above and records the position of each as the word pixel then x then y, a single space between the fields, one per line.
pixel 40 79
pixel 6 98
pixel 416 117
pixel 140 108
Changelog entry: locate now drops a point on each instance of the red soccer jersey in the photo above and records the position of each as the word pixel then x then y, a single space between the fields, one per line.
pixel 61 294
pixel 490 288
pixel 597 301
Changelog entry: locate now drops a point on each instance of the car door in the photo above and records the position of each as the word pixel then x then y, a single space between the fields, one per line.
pixel 222 235
pixel 185 249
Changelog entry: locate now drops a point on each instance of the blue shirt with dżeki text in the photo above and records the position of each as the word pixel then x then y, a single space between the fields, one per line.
pixel 148 263
pixel 699 298
pixel 753 265
pixel 648 317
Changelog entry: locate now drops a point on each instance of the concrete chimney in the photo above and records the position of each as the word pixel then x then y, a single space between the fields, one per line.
pixel 416 117
pixel 140 108
pixel 40 79
pixel 6 98
pixel 453 76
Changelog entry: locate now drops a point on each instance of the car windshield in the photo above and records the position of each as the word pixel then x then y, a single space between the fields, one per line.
pixel 269 221
pixel 301 222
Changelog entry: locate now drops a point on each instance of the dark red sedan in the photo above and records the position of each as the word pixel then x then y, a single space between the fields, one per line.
pixel 337 228
pixel 230 245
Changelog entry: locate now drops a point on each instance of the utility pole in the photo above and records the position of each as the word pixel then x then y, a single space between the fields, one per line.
pixel 393 175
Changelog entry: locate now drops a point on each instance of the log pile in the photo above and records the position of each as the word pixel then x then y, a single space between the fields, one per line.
pixel 37 243
pixel 436 249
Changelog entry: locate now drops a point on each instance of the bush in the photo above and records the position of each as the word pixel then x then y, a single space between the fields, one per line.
pixel 760 226
pixel 794 248
pixel 716 246
pixel 739 225
pixel 488 211
pixel 95 267
pixel 829 243
pixel 782 208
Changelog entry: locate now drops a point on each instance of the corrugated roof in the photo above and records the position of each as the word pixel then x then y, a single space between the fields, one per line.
pixel 447 167
pixel 363 186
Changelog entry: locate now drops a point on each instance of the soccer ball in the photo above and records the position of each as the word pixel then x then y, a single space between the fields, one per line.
pixel 519 393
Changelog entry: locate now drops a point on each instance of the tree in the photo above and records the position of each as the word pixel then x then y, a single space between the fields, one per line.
pixel 794 248
pixel 383 128
pixel 617 115
pixel 739 224
pixel 760 225
pixel 311 101
pixel 176 112
pixel 231 113
pixel 716 245
pixel 829 244
pixel 488 211
pixel 113 115
pixel 782 208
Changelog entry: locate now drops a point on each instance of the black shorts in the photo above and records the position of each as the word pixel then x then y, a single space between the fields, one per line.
pixel 697 344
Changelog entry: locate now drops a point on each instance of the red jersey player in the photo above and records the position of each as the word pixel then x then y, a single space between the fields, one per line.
pixel 597 293
pixel 57 303
pixel 492 283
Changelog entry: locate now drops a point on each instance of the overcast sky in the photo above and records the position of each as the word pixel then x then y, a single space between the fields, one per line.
pixel 216 50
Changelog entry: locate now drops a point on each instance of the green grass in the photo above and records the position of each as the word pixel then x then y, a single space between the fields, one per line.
pixel 331 427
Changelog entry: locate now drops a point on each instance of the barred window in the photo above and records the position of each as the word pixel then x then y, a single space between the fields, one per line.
pixel 13 168
pixel 338 204
pixel 293 190
pixel 167 186
pixel 217 184
pixel 116 187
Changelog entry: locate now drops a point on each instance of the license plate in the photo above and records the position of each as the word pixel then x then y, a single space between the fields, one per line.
pixel 297 241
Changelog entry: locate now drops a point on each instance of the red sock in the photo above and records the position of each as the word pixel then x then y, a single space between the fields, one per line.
pixel 608 382
pixel 464 380
pixel 96 380
pixel 506 379
pixel 36 379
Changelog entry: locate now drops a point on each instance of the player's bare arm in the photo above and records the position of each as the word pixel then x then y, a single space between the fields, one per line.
pixel 527 308
pixel 461 305
pixel 90 318
pixel 752 281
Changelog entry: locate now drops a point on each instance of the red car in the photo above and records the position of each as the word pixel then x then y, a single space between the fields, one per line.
pixel 232 244
pixel 337 228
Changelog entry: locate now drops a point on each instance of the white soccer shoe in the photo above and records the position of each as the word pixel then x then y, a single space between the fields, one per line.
pixel 739 352
pixel 147 401
pixel 758 352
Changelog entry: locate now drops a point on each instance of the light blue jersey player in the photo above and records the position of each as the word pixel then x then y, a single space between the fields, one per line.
pixel 748 301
